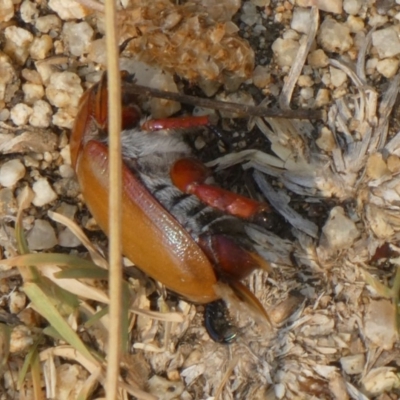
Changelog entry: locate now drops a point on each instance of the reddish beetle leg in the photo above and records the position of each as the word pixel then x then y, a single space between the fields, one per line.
pixel 176 123
pixel 189 176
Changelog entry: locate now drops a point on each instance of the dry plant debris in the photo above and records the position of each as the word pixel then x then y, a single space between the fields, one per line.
pixel 334 295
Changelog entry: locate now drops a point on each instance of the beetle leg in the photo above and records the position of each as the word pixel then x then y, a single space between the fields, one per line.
pixel 176 123
pixel 189 176
pixel 232 261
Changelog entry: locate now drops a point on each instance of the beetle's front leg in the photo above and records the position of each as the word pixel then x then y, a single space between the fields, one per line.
pixel 92 117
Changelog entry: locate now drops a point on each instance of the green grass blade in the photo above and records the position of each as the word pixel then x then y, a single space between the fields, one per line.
pixel 82 273
pixel 43 259
pixel 55 319
pixel 28 361
pixel 96 317
pixel 5 337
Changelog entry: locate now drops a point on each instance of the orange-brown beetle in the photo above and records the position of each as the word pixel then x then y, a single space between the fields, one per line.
pixel 178 229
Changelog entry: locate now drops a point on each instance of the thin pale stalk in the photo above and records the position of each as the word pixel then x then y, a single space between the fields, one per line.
pixel 114 129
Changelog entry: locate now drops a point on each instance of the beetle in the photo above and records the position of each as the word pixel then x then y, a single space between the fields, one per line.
pixel 177 227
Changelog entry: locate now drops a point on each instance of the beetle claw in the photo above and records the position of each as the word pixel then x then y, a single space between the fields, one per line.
pixel 248 297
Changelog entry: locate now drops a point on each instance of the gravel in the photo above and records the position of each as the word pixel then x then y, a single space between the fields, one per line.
pixel 334 181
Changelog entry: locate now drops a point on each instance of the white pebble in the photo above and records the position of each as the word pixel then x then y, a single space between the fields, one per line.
pixel 334 36
pixel 97 52
pixel 332 6
pixel 41 236
pixel 250 16
pixel 20 114
pixel 285 51
pixel 355 24
pixel 376 20
pixel 77 37
pixel 16 302
pixel 31 162
pixel 4 114
pixel 6 10
pixel 67 239
pixel 69 9
pixel 45 71
pixel 318 59
pixel 63 119
pixel 326 79
pixel 388 67
pixel 339 230
pixel 68 210
pixel 32 92
pixel 376 166
pixel 326 140
pixel 17 44
pixel 353 364
pixel 261 76
pixel 370 65
pixel 65 153
pixel 307 93
pixel 11 172
pixel 305 81
pixel 66 171
pixel 378 314
pixel 41 47
pixel 28 11
pixel 48 22
pixel 44 193
pixel 291 34
pixel 21 339
pixel 7 70
pixel 338 77
pixel 31 76
pixel 41 115
pixel 64 89
pixel 301 20
pixel 352 7
pixel 20 37
pixel 48 157
pixel 387 42
pixel 322 98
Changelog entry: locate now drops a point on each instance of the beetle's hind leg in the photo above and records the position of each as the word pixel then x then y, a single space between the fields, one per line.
pixel 189 175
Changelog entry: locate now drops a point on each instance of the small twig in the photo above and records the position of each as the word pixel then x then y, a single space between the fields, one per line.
pixel 243 109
